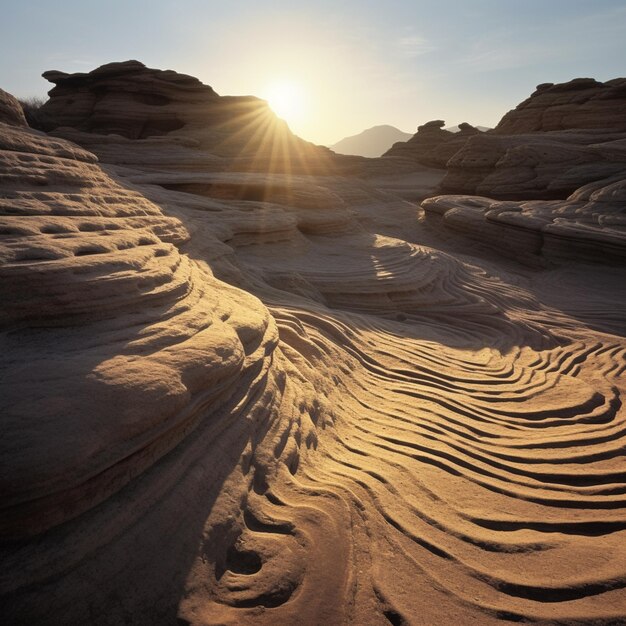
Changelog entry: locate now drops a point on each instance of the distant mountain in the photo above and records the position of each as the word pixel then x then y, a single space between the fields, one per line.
pixel 371 142
pixel 455 129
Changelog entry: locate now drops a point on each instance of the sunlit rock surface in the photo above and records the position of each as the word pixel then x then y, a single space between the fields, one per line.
pixel 256 395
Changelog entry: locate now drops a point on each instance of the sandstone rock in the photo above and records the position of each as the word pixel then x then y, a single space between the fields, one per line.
pixel 153 102
pixel 578 104
pixel 568 142
pixel 589 226
pixel 130 114
pixel 560 138
pixel 129 100
pixel 10 110
pixel 432 145
pixel 139 341
pixel 534 166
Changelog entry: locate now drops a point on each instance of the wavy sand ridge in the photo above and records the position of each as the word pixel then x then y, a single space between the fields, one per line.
pixel 360 428
pixel 463 474
pixel 480 481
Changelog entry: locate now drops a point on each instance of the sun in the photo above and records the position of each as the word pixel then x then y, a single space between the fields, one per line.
pixel 286 99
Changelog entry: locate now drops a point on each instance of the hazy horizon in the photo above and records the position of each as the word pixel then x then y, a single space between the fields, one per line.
pixel 339 67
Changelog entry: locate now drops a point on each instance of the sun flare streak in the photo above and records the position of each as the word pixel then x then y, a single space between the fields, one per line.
pixel 287 100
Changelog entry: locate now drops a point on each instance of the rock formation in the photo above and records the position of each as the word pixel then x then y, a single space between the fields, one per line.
pixel 237 394
pixel 124 111
pixel 432 145
pixel 589 226
pixel 129 340
pixel 582 103
pixel 560 138
pixel 137 102
pixel 10 110
pixel 565 142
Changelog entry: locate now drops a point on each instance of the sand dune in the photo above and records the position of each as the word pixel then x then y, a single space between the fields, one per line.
pixel 274 397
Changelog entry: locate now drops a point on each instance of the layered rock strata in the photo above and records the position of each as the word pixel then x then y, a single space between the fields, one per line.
pixel 562 137
pixel 556 167
pixel 129 108
pixel 582 103
pixel 123 341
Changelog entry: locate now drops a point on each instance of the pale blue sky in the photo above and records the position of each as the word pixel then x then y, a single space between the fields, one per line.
pixel 357 63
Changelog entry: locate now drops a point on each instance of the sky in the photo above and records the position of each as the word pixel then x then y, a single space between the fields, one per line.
pixel 345 65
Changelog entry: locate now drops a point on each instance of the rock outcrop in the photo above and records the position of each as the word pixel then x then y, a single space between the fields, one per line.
pixel 122 341
pixel 10 110
pixel 549 165
pixel 130 101
pixel 560 138
pixel 432 145
pixel 582 103
pixel 136 102
pixel 566 142
pixel 135 114
pixel 590 226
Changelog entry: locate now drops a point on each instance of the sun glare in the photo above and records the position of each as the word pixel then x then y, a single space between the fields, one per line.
pixel 286 100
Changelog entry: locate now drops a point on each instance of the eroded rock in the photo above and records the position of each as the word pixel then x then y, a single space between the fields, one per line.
pixel 10 110
pixel 560 138
pixel 432 145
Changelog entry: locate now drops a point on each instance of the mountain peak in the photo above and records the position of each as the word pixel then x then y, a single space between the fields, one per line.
pixel 372 142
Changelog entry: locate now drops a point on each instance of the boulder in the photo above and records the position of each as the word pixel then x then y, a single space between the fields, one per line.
pixel 10 110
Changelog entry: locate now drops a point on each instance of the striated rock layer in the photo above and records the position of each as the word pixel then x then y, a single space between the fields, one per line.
pixel 557 166
pixel 121 341
pixel 582 103
pixel 131 108
pixel 562 137
pixel 590 226
pixel 269 397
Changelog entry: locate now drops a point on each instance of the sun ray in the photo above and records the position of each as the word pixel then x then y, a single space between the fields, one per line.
pixel 286 98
